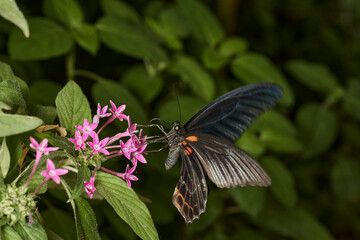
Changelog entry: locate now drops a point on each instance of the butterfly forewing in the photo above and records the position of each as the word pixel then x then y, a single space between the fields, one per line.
pixel 224 163
pixel 191 191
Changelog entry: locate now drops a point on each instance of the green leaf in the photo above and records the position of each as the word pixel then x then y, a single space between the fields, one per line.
pixel 82 176
pixel 45 113
pixel 104 91
pixel 138 81
pixel 14 144
pixel 126 204
pixel 172 21
pixel 254 67
pixel 33 232
pixel 47 40
pixel 10 11
pixel 314 75
pixel 11 124
pixel 351 100
pixel 191 72
pixel 202 23
pixel 134 40
pixel 251 144
pixel 5 158
pixel 9 233
pixel 120 9
pixel 212 59
pixel 280 142
pixel 282 181
pixel 295 223
pixel 317 128
pixel 72 107
pixel 86 36
pixel 44 92
pixel 169 111
pixel 233 45
pixel 118 224
pixel 7 74
pixel 85 220
pixel 251 199
pixel 67 12
pixel 345 176
pixel 10 94
pixel 60 222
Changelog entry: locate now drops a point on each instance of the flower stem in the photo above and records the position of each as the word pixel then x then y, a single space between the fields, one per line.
pixel 38 188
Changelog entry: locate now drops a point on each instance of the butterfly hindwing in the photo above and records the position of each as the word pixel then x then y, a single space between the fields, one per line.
pixel 230 115
pixel 225 164
pixel 191 191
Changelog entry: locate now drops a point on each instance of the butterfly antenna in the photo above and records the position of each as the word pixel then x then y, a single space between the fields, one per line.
pixel 178 101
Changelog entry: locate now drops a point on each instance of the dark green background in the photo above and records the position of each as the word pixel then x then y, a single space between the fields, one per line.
pixel 134 52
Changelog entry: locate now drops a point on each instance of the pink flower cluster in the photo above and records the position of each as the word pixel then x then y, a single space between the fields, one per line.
pixel 133 148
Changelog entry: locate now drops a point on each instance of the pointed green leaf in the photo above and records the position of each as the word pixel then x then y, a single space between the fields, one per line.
pixel 4 158
pixel 85 221
pixel 251 199
pixel 282 181
pixel 120 9
pixel 86 36
pixel 202 23
pixel 126 204
pixel 67 12
pixel 82 176
pixel 72 107
pixel 191 72
pixel 233 45
pixel 47 40
pixel 10 11
pixel 254 67
pixel 314 75
pixel 33 232
pixel 317 128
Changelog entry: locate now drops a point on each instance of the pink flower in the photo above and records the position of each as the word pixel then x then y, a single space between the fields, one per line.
pixel 118 112
pixel 53 173
pixel 98 146
pixel 101 113
pixel 140 145
pixel 89 187
pixel 79 140
pixel 127 176
pixel 127 148
pixel 87 129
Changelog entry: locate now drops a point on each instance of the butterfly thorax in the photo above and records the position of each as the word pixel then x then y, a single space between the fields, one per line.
pixel 174 141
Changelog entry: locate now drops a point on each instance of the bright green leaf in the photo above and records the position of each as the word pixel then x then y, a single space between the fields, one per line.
pixel 317 128
pixel 282 181
pixel 202 23
pixel 104 91
pixel 10 11
pixel 130 39
pixel 295 223
pixel 138 81
pixel 191 72
pixel 254 67
pixel 72 107
pixel 11 124
pixel 120 9
pixel 33 232
pixel 126 204
pixel 85 220
pixel 250 199
pixel 212 59
pixel 233 45
pixel 86 36
pixel 169 112
pixel 314 75
pixel 9 233
pixel 47 40
pixel 351 103
pixel 4 158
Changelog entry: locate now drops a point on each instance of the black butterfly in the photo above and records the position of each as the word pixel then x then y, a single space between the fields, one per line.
pixel 205 144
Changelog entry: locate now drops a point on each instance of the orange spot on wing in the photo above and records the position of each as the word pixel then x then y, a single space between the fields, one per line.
pixel 184 143
pixel 192 138
pixel 189 150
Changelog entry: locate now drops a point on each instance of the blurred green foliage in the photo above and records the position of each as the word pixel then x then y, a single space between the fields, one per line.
pixel 133 53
